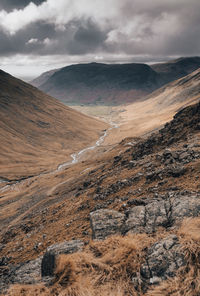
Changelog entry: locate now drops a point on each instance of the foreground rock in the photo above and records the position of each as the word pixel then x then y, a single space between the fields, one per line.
pixel 166 213
pixel 30 272
pixel 105 223
pixel 162 261
pixel 48 263
pixel 27 273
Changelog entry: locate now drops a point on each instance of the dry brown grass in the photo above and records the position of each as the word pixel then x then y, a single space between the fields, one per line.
pixel 187 281
pixel 106 268
pixel 140 118
pixel 37 131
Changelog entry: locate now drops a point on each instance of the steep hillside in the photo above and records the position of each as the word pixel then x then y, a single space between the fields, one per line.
pixel 107 84
pixel 159 107
pixel 124 223
pixel 37 132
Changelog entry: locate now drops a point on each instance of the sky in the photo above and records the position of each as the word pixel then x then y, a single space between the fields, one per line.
pixel 40 35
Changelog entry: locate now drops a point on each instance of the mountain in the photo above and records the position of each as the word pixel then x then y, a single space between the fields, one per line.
pixel 110 84
pixel 159 107
pixel 37 132
pixel 176 69
pixel 101 83
pixel 43 78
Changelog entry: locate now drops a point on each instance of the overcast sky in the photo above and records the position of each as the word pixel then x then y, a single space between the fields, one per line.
pixel 39 35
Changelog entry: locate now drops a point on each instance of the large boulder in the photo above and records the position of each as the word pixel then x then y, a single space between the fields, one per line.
pixel 49 259
pixel 106 222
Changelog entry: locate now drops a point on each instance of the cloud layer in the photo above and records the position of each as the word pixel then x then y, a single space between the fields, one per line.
pixel 100 29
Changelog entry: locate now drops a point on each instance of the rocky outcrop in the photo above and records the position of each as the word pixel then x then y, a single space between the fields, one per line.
pixel 164 213
pixel 163 259
pixel 183 156
pixel 185 122
pixel 167 212
pixel 105 223
pixel 48 263
pixel 30 272
pixel 67 247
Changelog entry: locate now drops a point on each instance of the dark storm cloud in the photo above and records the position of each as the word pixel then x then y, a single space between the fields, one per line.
pixel 88 37
pixel 21 41
pixel 76 38
pixel 9 5
pixel 128 28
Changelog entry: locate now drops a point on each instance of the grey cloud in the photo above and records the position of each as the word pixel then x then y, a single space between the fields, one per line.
pixel 155 8
pixel 78 37
pixel 151 36
pixel 9 5
pixel 87 38
pixel 181 38
pixel 18 43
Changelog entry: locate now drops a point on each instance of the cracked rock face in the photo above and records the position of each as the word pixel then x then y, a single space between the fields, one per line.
pixel 162 261
pixel 144 218
pixel 165 213
pixel 105 223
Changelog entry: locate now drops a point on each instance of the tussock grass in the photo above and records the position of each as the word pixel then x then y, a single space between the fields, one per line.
pixel 187 281
pixel 106 268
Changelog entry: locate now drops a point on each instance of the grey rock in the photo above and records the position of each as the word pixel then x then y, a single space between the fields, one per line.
pixel 25 273
pixel 66 247
pixel 29 273
pixel 176 171
pixel 48 262
pixel 106 222
pixel 162 260
pixel 164 213
pixel 184 155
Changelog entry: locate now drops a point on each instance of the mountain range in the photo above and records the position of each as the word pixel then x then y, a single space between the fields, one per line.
pixel 111 84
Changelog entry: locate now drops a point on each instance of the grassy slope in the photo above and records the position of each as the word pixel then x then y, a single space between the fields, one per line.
pixel 142 117
pixel 37 132
pixel 104 268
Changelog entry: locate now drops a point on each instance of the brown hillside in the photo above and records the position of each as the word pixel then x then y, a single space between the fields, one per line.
pixel 142 117
pixel 37 132
pixel 162 170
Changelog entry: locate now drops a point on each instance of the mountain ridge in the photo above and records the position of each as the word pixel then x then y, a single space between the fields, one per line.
pixel 113 84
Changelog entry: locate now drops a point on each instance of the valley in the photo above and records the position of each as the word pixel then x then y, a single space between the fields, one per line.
pixel 123 184
pixel 100 148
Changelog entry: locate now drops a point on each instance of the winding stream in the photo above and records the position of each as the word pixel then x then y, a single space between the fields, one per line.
pixel 76 156
pixel 75 159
